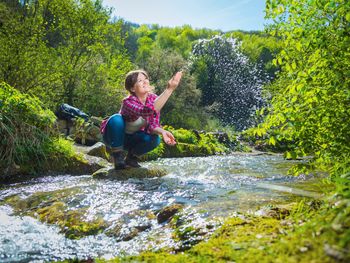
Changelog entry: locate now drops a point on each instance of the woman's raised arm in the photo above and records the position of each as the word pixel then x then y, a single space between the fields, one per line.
pixel 172 85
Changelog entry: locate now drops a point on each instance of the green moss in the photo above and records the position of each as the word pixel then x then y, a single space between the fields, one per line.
pixel 71 222
pixel 309 234
pixel 129 173
pixel 188 145
pixel 29 205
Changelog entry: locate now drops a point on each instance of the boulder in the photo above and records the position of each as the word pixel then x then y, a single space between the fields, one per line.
pixel 98 150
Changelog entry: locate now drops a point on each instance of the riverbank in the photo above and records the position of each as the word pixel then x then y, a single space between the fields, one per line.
pixel 307 231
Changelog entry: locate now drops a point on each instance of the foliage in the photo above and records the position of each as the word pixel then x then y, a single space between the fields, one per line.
pixel 311 103
pixel 26 127
pixel 260 48
pixel 63 51
pixel 141 40
pixel 28 135
pixel 188 144
pixel 186 136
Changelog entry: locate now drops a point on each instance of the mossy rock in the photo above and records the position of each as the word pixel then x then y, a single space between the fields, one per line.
pixel 30 205
pixel 124 174
pixel 71 222
pixel 51 208
pixel 168 212
pixel 185 150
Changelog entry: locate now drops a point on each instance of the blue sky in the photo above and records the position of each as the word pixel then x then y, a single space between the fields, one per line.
pixel 214 14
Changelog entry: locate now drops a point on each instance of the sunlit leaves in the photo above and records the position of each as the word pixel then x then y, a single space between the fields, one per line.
pixel 312 91
pixel 64 51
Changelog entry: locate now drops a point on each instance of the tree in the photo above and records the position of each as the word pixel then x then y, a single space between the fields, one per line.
pixel 26 61
pixel 64 51
pixel 311 105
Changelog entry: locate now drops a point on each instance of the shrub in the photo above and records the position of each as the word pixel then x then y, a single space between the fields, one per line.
pixel 28 134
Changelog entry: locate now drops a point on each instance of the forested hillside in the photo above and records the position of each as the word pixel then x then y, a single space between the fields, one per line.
pixel 76 52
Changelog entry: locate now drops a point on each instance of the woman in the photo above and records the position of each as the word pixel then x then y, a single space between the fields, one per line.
pixel 136 127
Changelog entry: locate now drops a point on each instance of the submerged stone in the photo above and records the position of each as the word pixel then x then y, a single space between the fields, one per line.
pixel 51 207
pixel 129 173
pixel 168 212
pixel 130 225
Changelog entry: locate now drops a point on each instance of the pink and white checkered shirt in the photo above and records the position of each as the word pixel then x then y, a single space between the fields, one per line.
pixel 132 109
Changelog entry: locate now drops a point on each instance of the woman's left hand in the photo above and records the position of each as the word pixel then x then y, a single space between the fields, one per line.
pixel 168 138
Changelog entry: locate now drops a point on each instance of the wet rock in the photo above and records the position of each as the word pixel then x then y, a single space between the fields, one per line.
pixel 130 225
pixel 168 212
pixel 30 205
pixel 125 174
pixel 71 222
pixel 51 207
pixel 190 228
pixel 275 211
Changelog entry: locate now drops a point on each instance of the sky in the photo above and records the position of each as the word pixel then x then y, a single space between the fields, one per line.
pixel 224 15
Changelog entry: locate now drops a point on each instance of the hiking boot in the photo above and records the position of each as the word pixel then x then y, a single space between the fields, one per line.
pixel 118 160
pixel 132 161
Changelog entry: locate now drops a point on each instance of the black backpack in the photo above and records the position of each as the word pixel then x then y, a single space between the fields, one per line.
pixel 67 112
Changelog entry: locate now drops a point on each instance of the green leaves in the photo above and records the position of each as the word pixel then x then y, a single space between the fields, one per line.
pixel 347 16
pixel 312 91
pixel 64 51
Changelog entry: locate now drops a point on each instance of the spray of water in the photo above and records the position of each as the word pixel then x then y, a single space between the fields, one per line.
pixel 231 84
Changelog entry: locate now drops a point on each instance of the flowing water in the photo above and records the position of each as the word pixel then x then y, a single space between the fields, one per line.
pixel 210 188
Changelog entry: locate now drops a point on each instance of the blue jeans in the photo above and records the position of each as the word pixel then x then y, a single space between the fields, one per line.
pixel 138 143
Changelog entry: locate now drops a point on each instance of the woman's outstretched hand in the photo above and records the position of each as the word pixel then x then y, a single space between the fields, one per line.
pixel 168 138
pixel 174 81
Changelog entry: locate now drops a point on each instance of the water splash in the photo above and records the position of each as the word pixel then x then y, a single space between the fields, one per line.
pixel 231 84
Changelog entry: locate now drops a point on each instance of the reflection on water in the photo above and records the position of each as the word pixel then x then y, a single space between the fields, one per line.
pixel 217 186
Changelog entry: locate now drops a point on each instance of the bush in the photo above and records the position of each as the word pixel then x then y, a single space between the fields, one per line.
pixel 28 134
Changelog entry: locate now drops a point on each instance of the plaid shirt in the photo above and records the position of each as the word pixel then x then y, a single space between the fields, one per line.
pixel 132 108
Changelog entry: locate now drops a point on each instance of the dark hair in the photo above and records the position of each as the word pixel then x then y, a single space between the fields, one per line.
pixel 131 78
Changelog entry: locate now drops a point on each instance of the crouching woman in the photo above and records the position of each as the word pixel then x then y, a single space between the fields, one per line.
pixel 136 128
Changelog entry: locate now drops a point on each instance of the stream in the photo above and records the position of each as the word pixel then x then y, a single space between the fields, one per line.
pixel 209 188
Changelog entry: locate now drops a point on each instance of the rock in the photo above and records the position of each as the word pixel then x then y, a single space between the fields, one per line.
pixel 86 164
pixel 87 133
pixel 275 211
pixel 168 212
pixel 129 173
pixel 130 225
pixel 64 126
pixel 99 150
pixel 96 120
